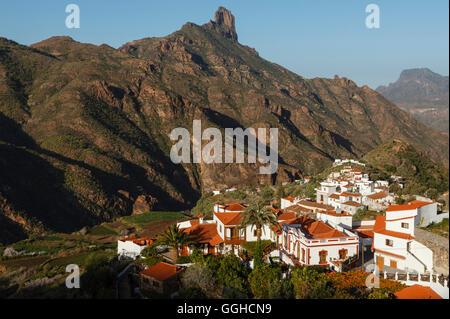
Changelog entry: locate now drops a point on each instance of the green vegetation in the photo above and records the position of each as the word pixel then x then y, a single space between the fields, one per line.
pixel 422 176
pixel 102 230
pixel 441 228
pixel 366 214
pixel 175 238
pixel 152 217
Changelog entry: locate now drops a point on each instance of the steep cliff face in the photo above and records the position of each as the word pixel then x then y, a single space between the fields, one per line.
pixel 97 121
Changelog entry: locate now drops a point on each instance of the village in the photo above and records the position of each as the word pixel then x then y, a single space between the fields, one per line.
pixel 329 232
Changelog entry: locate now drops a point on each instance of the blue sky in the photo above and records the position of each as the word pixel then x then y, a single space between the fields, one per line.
pixel 314 38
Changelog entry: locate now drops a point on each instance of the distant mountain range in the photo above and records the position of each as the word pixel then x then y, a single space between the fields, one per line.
pixel 84 129
pixel 422 93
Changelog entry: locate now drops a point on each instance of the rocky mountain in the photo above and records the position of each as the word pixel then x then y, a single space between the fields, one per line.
pixel 84 129
pixel 422 93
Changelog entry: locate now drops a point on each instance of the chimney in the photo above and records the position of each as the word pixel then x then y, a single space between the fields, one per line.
pixel 200 218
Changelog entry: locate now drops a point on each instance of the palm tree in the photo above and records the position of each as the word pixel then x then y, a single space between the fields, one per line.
pixel 175 238
pixel 258 215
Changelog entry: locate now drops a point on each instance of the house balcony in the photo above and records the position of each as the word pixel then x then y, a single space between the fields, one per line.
pixel 234 240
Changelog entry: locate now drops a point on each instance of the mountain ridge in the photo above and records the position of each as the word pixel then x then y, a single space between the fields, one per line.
pixel 98 120
pixel 423 93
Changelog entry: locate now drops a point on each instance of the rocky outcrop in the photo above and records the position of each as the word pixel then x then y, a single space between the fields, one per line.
pixel 224 23
pixel 143 204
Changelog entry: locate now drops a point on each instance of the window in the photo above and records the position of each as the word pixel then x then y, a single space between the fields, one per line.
pixel 389 242
pixel 323 257
pixel 220 228
pixel 342 253
pixel 255 233
pixel 405 225
pixel 303 255
pixel 321 198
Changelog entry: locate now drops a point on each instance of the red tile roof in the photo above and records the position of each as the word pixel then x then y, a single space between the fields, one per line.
pixel 162 271
pixel 316 229
pixel 379 195
pixel 334 213
pixel 380 228
pixel 308 203
pixel 229 219
pixel 235 207
pixel 350 194
pixel 417 292
pixel 286 215
pixel 202 233
pixel 352 203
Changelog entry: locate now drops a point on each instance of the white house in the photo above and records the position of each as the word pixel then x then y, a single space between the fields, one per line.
pixel 394 243
pixel 288 201
pixel 132 247
pixel 426 213
pixel 223 233
pixel 378 201
pixel 309 242
pixel 325 190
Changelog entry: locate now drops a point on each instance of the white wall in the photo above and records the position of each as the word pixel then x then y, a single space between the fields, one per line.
pixel 423 253
pixel 129 249
pixel 426 214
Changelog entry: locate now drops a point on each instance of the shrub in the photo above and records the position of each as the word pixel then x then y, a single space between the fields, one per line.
pixel 261 278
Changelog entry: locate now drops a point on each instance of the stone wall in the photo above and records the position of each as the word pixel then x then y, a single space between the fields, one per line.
pixel 440 247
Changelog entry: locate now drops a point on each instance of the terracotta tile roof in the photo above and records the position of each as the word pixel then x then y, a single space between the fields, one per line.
pixel 334 213
pixel 419 203
pixel 235 207
pixel 162 271
pixel 289 198
pixel 335 196
pixel 417 292
pixel 202 233
pixel 352 203
pixel 350 194
pixel 410 206
pixel 216 240
pixel 315 229
pixel 230 219
pixel 308 203
pixel 380 228
pixel 379 195
pixel 286 216
pixel 382 187
pixel 364 233
pixel 297 209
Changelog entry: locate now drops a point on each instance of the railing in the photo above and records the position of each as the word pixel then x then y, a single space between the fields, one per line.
pixel 235 238
pixel 415 277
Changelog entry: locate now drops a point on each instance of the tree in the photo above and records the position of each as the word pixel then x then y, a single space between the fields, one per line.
pixel 311 283
pixel 232 273
pixel 199 276
pixel 261 279
pixel 175 238
pixel 258 215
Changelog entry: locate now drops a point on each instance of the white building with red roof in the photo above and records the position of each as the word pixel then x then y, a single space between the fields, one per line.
pixel 132 247
pixel 394 245
pixel 223 234
pixel 306 241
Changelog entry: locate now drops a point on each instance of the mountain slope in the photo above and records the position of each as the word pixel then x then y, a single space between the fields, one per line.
pixel 94 122
pixel 422 93
pixel 401 159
